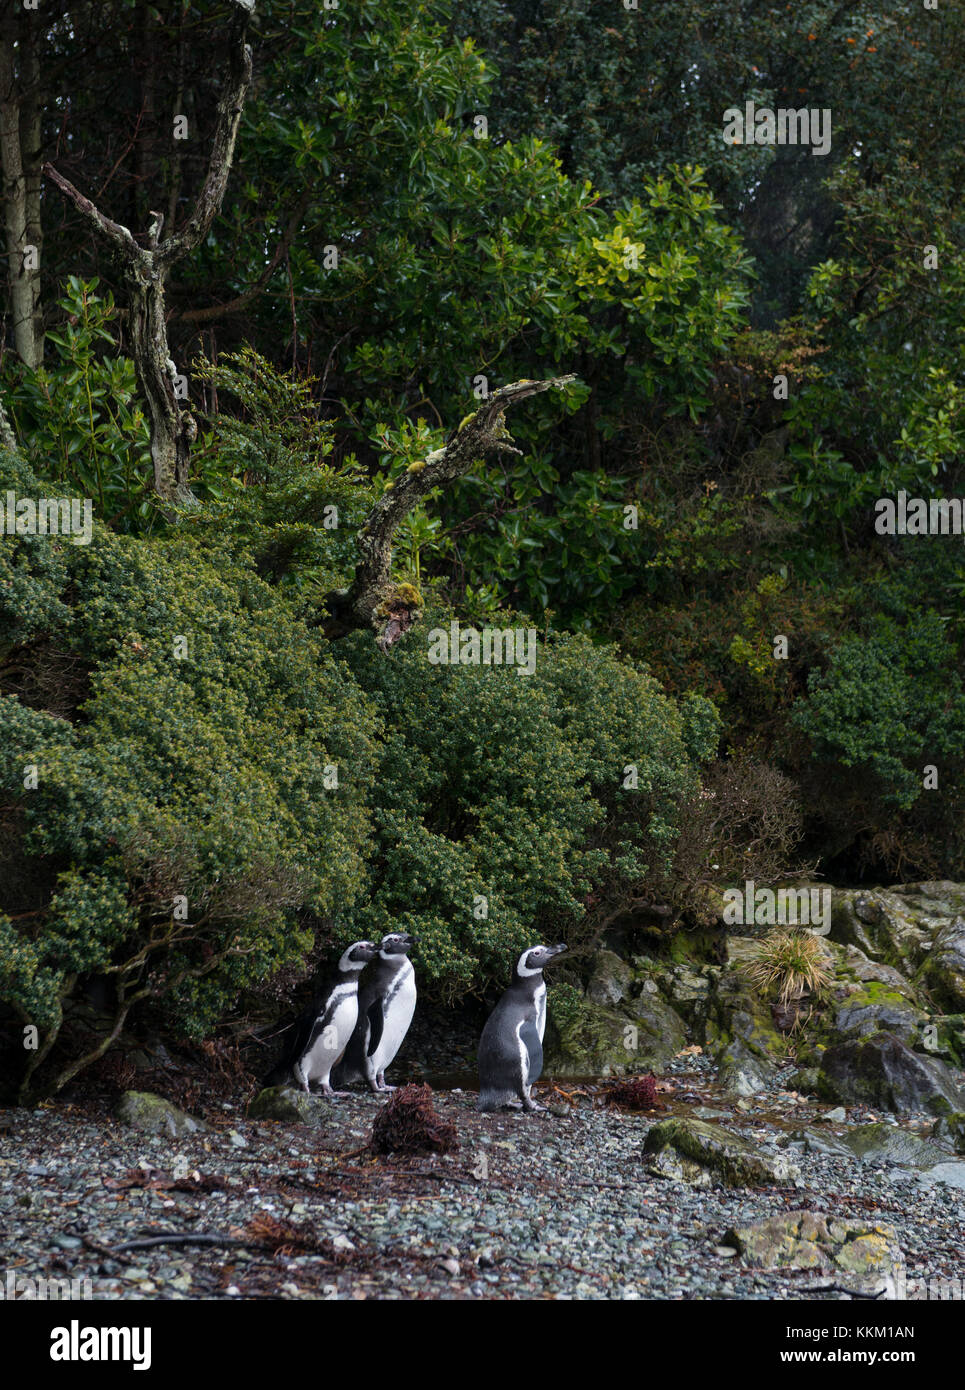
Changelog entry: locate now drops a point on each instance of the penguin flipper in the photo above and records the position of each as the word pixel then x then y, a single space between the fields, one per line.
pixel 529 1036
pixel 376 1017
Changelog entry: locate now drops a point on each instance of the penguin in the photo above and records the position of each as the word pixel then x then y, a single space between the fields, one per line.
pixel 386 1006
pixel 323 1031
pixel 511 1046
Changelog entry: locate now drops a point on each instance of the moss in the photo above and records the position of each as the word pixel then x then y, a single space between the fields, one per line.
pixel 683 1148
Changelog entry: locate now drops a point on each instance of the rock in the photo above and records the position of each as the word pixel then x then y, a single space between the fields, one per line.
pixel 836 1116
pixel 882 925
pixel 147 1112
pixel 874 1007
pixel 595 1040
pixel 945 971
pixel 882 1072
pixel 951 1173
pixel 812 1240
pixel 284 1103
pixel 661 1031
pixel 816 1141
pixel 950 1129
pixel 741 1072
pixel 806 1080
pixel 689 990
pixel 611 979
pixel 889 1144
pixel 701 1154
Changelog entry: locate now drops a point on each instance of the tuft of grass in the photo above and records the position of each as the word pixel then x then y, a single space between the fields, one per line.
pixel 791 962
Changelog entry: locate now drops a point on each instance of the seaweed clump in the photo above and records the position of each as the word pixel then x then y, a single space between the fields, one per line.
pixel 637 1093
pixel 410 1124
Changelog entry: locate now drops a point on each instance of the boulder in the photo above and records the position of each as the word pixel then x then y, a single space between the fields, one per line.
pixel 890 1144
pixel 883 925
pixel 702 1154
pixel 875 1007
pixel 742 1072
pixel 661 1033
pixel 882 1072
pixel 945 970
pixel 950 1130
pixel 815 1141
pixel 285 1103
pixel 152 1115
pixel 813 1240
pixel 951 1173
pixel 610 981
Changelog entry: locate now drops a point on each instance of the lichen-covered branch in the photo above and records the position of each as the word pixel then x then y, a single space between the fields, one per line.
pixel 373 600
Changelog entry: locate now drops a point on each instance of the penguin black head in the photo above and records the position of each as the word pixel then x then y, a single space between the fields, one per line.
pixel 358 956
pixel 397 943
pixel 532 961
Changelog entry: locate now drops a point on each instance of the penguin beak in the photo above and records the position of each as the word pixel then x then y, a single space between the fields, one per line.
pixel 556 950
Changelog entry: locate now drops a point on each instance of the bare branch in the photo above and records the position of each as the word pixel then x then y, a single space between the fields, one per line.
pixel 117 235
pixel 371 598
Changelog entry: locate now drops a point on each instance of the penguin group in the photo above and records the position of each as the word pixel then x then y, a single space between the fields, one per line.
pixel 353 1035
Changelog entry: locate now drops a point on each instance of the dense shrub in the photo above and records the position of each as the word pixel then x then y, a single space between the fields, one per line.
pixel 186 833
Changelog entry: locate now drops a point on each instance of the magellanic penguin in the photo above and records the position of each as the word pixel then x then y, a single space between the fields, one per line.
pixel 322 1034
pixel 511 1046
pixel 386 1006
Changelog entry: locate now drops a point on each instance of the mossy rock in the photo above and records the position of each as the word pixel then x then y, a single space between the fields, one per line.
pixel 806 1081
pixel 873 1007
pixel 881 1071
pixel 701 1154
pixel 742 1072
pixel 153 1115
pixel 881 924
pixel 944 972
pixel 610 982
pixel 594 1040
pixel 812 1240
pixel 886 1143
pixel 286 1104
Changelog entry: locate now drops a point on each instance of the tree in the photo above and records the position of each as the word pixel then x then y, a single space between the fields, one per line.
pixel 20 158
pixel 146 269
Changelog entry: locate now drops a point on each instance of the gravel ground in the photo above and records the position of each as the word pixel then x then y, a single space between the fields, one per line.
pixel 553 1205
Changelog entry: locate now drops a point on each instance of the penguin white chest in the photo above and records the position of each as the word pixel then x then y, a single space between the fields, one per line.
pixel 398 1008
pixel 539 1001
pixel 332 1036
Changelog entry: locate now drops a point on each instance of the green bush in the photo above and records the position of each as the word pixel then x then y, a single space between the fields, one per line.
pixel 184 839
pixel 192 764
pixel 510 790
pixel 78 419
pixel 890 702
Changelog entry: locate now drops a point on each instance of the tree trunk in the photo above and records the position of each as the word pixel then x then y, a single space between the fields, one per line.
pixel 20 160
pixel 172 430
